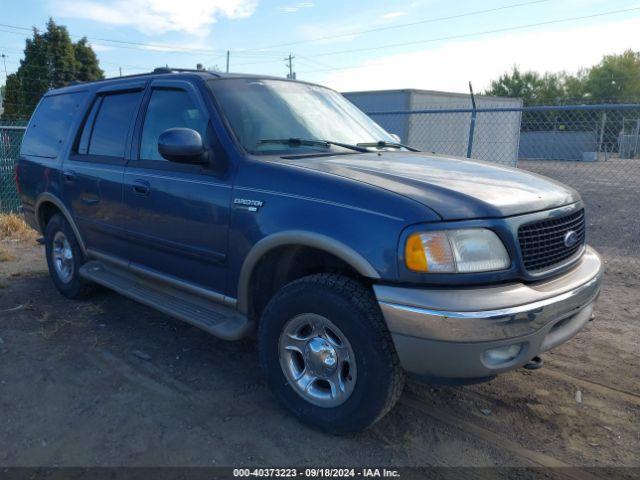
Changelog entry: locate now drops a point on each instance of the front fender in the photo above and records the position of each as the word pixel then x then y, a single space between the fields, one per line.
pixel 300 238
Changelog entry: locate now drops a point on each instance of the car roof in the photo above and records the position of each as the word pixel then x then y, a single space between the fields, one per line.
pixel 164 73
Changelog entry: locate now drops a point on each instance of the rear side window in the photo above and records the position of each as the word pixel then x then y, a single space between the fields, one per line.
pixel 50 124
pixel 107 126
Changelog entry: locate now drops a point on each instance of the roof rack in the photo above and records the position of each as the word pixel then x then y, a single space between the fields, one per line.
pixel 172 69
pixel 156 71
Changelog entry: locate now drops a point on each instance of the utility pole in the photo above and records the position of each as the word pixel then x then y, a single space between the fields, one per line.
pixel 4 60
pixel 291 75
pixel 228 54
pixel 120 68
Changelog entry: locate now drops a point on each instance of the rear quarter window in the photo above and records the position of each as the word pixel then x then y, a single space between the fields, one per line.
pixel 50 123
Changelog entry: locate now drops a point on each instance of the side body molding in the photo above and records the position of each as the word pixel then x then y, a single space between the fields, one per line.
pixel 47 197
pixel 299 238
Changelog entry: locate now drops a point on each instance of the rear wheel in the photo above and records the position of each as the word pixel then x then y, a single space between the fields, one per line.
pixel 64 259
pixel 327 353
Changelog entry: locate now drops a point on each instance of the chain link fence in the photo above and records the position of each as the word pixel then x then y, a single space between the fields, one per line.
pixel 10 137
pixel 595 149
pixel 592 148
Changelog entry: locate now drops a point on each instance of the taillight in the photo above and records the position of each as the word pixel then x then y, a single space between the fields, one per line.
pixel 16 176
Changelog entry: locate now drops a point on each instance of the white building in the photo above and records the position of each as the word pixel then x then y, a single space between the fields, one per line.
pixel 496 134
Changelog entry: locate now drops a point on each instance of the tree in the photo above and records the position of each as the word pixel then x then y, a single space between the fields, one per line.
pixel 534 88
pixel 51 60
pixel 87 67
pixel 61 61
pixel 515 84
pixel 32 78
pixel 615 79
pixel 13 102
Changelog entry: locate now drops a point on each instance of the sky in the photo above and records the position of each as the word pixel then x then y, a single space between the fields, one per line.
pixel 345 44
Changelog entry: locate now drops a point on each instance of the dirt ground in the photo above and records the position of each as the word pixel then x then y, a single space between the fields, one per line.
pixel 108 382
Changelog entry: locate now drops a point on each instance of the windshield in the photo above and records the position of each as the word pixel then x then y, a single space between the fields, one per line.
pixel 266 114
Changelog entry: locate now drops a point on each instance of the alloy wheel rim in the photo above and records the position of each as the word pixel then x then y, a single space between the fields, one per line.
pixel 62 257
pixel 317 360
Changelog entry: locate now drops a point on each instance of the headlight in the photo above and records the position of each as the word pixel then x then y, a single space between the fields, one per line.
pixel 456 251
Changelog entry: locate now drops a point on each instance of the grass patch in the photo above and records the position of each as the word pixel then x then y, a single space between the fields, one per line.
pixel 14 227
pixel 5 255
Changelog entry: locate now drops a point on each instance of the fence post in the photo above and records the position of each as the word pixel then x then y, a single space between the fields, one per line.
pixel 637 134
pixel 603 122
pixel 472 125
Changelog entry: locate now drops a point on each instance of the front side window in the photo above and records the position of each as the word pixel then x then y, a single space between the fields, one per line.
pixel 260 110
pixel 168 109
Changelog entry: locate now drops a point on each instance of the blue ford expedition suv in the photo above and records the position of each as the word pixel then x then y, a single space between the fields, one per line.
pixel 246 204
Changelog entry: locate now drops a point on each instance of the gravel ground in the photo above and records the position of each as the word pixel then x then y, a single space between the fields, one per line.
pixel 108 382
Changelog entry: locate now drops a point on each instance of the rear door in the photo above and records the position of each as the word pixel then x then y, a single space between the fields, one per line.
pixel 93 173
pixel 177 214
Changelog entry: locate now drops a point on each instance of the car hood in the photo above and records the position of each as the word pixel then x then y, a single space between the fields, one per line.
pixel 455 188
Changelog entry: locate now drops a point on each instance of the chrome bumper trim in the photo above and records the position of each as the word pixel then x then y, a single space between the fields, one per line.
pixel 564 296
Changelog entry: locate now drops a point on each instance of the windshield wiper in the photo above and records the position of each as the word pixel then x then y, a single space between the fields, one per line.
pixel 383 144
pixel 296 142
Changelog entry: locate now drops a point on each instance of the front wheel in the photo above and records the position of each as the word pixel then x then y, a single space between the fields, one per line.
pixel 327 354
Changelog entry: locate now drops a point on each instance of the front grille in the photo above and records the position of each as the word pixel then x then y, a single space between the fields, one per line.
pixel 542 243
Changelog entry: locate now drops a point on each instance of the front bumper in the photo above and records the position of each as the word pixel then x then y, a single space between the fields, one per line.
pixel 454 332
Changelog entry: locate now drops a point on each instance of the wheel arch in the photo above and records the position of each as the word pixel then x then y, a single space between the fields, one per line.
pixel 297 238
pixel 44 203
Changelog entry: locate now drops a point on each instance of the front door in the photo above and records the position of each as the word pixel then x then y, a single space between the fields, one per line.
pixel 177 214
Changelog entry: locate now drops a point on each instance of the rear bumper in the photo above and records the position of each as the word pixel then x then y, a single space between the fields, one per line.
pixel 454 333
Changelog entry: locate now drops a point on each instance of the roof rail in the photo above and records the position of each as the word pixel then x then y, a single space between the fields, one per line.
pixel 159 70
pixel 172 69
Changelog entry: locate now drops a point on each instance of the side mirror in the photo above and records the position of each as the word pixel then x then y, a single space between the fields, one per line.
pixel 182 145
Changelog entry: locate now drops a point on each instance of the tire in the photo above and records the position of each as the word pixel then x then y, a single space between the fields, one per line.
pixel 371 382
pixel 60 241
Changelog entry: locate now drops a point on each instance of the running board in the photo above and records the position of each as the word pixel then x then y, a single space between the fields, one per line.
pixel 217 319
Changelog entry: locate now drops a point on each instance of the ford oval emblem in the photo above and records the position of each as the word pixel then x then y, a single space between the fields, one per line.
pixel 570 238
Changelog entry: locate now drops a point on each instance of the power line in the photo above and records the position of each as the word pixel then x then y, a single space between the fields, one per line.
pixel 102 62
pixel 121 42
pixel 260 62
pixel 464 35
pixel 360 32
pixel 410 24
pixel 316 62
pixel 472 34
pixel 127 44
pixel 164 48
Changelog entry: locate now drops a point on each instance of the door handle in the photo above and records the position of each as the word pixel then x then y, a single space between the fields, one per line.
pixel 89 199
pixel 141 187
pixel 69 176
